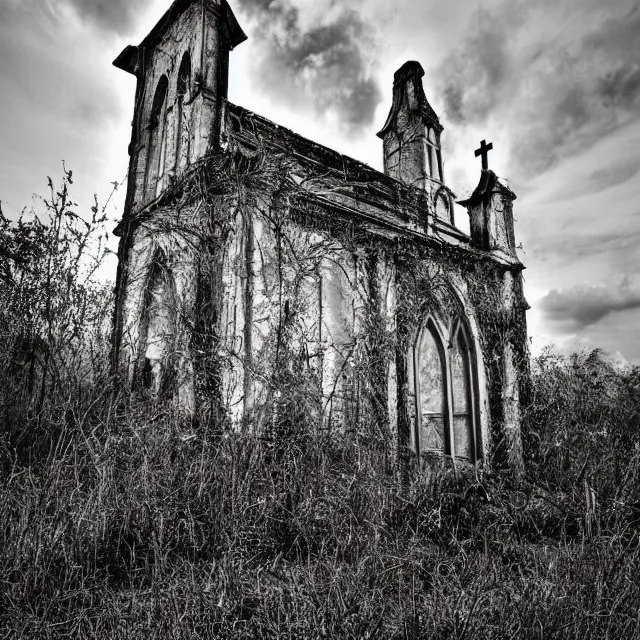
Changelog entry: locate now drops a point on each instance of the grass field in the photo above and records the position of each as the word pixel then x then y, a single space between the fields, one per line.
pixel 121 520
pixel 118 521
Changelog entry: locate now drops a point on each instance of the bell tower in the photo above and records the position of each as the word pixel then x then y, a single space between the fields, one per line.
pixel 182 70
pixel 411 140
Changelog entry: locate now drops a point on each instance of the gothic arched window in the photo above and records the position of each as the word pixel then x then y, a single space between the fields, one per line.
pixel 443 210
pixel 157 145
pixel 445 399
pixel 434 156
pixel 184 92
pixel 158 328
pixel 463 435
pixel 432 389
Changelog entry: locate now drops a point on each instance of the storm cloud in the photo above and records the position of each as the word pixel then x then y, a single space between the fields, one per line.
pixel 323 66
pixel 557 94
pixel 585 305
pixel 111 15
pixel 478 72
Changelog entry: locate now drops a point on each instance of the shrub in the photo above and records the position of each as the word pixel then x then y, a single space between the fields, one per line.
pixel 121 519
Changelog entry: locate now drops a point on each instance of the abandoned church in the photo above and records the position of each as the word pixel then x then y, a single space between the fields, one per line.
pixel 263 277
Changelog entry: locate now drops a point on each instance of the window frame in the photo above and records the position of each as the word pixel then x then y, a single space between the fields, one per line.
pixel 156 140
pixel 183 96
pixel 445 339
pixel 435 157
pixel 471 369
pixel 432 326
pixel 158 269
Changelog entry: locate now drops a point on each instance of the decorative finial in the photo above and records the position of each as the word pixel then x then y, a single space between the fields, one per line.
pixel 484 152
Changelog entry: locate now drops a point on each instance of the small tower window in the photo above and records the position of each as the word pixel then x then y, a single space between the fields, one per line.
pixel 157 143
pixel 443 210
pixel 182 126
pixel 434 153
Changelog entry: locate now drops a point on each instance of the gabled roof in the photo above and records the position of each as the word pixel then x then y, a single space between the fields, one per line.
pixel 127 59
pixel 410 70
pixel 489 183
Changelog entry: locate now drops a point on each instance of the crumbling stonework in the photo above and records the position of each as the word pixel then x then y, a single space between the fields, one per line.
pixel 267 281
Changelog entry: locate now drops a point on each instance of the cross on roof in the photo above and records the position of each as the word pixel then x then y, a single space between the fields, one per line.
pixel 484 152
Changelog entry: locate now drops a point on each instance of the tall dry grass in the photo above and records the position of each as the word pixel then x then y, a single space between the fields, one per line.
pixel 137 526
pixel 121 519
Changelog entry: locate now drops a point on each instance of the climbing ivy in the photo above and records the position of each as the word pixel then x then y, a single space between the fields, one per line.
pixel 254 183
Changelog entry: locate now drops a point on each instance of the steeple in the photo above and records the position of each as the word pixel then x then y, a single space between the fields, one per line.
pixel 182 70
pixel 411 140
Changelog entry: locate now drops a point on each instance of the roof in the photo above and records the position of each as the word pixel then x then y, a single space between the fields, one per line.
pixel 489 183
pixel 411 70
pixel 127 59
pixel 400 205
pixel 347 168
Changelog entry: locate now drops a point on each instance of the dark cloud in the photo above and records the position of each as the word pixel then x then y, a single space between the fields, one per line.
pixel 556 95
pixel 112 15
pixel 621 88
pixel 323 67
pixel 568 245
pixel 585 305
pixel 479 69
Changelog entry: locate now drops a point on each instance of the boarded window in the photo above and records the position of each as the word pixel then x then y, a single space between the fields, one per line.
pixel 432 385
pixel 461 387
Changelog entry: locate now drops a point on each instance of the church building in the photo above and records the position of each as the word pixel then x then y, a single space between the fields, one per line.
pixel 266 280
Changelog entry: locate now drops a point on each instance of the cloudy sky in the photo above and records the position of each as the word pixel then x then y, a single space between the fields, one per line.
pixel 554 84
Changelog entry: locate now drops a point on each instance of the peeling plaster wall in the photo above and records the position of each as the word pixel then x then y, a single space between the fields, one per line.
pixel 335 292
pixel 339 304
pixel 150 241
pixel 332 288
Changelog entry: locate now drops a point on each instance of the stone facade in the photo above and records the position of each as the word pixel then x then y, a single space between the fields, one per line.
pixel 267 280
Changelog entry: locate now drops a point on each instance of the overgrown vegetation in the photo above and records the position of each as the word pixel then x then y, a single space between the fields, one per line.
pixel 120 519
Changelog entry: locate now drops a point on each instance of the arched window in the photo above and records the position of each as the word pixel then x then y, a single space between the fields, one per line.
pixel 182 127
pixel 158 327
pixel 443 210
pixel 463 432
pixel 434 156
pixel 445 419
pixel 432 389
pixel 157 143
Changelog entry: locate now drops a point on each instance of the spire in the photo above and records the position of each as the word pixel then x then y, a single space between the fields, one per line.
pixel 408 90
pixel 171 132
pixel 411 140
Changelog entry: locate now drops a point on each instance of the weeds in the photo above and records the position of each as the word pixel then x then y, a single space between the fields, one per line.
pixel 122 519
